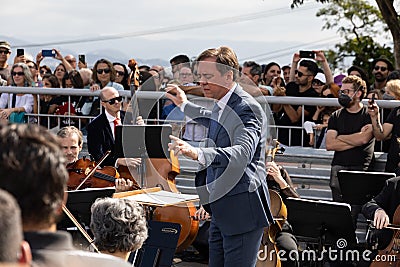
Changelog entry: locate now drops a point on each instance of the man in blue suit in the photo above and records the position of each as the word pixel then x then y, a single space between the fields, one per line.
pixel 231 184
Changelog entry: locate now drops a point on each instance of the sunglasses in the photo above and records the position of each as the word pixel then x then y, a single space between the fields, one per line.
pixel 113 100
pixel 300 74
pixel 19 73
pixel 106 71
pixel 380 67
pixel 5 52
pixel 120 73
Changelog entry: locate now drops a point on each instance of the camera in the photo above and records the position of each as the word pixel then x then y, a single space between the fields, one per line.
pixel 48 53
pixel 307 54
pixel 20 52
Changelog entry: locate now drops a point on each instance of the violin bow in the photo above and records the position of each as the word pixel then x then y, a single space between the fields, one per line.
pixel 94 169
pixel 80 228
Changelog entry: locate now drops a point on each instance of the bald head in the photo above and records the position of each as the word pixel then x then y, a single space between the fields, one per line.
pixel 110 100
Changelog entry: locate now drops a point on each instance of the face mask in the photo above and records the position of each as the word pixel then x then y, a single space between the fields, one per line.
pixel 344 100
pixel 388 97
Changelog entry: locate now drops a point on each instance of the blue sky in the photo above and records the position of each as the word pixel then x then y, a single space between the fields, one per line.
pixel 257 30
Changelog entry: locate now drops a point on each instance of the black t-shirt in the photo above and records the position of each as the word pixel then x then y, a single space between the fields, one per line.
pixel 346 123
pixel 393 157
pixel 292 89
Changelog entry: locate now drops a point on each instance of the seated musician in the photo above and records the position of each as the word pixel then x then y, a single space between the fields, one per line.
pixel 118 225
pixel 71 140
pixel 101 130
pixel 279 180
pixel 381 210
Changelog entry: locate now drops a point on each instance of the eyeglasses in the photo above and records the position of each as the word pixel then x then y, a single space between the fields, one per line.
pixel 380 67
pixel 345 91
pixel 106 71
pixel 5 52
pixel 19 73
pixel 300 74
pixel 120 73
pixel 113 100
pixel 317 82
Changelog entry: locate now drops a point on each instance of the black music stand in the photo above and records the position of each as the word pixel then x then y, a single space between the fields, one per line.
pixel 134 141
pixel 359 187
pixel 79 203
pixel 321 222
pixel 142 141
pixel 159 248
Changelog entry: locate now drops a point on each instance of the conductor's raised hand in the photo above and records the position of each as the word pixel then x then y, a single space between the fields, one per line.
pixel 181 147
pixel 175 94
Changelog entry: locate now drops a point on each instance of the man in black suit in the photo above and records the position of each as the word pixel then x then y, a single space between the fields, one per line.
pixel 101 131
pixel 233 180
pixel 381 210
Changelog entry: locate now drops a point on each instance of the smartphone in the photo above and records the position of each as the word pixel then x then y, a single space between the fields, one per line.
pixel 371 102
pixel 307 54
pixel 48 53
pixel 20 52
pixel 82 59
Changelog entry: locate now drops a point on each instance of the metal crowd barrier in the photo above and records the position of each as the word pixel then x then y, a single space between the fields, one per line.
pixel 263 100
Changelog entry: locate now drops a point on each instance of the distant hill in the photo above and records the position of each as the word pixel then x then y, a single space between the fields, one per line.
pixel 114 55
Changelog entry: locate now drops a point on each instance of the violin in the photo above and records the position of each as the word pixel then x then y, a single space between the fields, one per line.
pixel 392 251
pixel 79 172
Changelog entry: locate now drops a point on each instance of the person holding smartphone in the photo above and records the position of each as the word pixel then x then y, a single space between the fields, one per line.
pixel 56 54
pixel 390 128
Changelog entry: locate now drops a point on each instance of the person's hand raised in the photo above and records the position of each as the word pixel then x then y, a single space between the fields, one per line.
pixel 175 94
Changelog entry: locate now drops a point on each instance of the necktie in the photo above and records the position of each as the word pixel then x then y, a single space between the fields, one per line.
pixel 211 134
pixel 213 121
pixel 117 121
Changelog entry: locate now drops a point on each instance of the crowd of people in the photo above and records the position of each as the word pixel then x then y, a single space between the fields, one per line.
pixel 235 176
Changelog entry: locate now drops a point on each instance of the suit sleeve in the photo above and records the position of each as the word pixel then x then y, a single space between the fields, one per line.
pixel 245 134
pixel 381 201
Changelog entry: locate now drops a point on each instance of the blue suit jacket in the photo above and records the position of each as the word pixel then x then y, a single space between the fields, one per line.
pixel 100 139
pixel 239 201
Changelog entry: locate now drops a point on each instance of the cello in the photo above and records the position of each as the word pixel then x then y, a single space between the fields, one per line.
pixel 390 256
pixel 267 255
pixel 161 173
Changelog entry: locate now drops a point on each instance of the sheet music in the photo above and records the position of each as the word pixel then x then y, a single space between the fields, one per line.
pixel 163 198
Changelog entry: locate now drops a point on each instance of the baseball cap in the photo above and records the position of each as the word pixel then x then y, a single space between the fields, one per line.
pixel 5 44
pixel 320 77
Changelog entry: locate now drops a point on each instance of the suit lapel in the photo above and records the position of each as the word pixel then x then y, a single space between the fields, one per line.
pixel 225 113
pixel 107 128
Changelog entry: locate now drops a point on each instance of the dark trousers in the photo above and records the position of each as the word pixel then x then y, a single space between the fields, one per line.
pixel 234 250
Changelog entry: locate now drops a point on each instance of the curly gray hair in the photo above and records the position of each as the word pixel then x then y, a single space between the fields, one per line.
pixel 118 225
